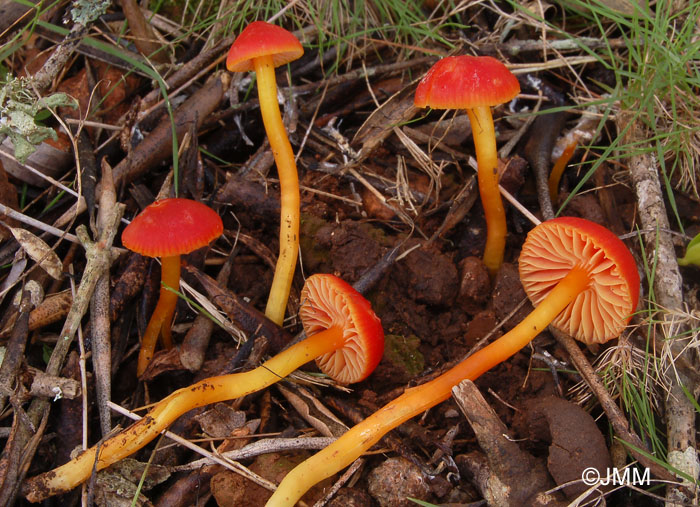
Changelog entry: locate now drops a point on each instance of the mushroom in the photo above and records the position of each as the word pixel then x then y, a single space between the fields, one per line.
pixel 343 334
pixel 476 83
pixel 261 47
pixel 168 228
pixel 581 278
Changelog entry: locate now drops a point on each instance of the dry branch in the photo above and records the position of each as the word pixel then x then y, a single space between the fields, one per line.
pixel 668 291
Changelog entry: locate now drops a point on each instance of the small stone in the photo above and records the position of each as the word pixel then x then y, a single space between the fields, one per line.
pixel 395 480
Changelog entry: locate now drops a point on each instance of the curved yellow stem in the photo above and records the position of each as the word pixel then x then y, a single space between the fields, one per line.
pixel 487 160
pixel 205 392
pixel 416 400
pixel 162 317
pixel 289 189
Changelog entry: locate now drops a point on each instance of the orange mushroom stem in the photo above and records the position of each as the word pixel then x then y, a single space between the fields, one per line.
pixel 262 47
pixel 168 228
pixel 476 83
pixel 590 292
pixel 162 316
pixel 344 336
pixel 558 170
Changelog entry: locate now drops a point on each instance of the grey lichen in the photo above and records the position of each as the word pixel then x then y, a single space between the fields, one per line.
pixel 19 105
pixel 85 12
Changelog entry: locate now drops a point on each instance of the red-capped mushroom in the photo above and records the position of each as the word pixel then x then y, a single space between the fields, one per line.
pixel 262 47
pixel 167 229
pixel 581 278
pixel 343 334
pixel 476 83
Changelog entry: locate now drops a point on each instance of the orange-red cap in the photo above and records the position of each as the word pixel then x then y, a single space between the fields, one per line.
pixel 172 227
pixel 600 312
pixel 463 82
pixel 328 301
pixel 260 39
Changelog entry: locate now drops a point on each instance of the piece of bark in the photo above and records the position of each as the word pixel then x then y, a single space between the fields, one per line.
pixel 14 349
pixel 576 444
pixel 521 477
pixel 142 33
pixel 129 284
pixel 99 309
pixel 53 387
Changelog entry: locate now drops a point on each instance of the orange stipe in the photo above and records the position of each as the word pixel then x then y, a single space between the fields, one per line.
pixel 558 170
pixel 593 259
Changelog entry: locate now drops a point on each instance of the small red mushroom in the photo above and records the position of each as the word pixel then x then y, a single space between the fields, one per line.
pixel 168 228
pixel 343 334
pixel 581 278
pixel 476 83
pixel 261 47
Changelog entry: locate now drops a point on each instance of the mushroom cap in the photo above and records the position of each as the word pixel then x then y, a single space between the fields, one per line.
pixel 601 311
pixel 259 39
pixel 328 301
pixel 172 227
pixel 464 82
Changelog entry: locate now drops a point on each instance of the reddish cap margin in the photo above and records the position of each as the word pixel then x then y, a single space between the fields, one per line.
pixel 328 301
pixel 171 227
pixel 600 312
pixel 260 39
pixel 463 82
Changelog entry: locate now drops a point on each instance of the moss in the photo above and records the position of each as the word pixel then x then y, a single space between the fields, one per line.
pixel 403 352
pixel 312 253
pixel 377 234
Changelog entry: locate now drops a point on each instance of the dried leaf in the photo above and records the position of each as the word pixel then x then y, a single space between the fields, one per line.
pixel 39 251
pixel 221 421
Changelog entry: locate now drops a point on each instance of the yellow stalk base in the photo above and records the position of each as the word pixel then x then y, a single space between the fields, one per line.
pixel 205 392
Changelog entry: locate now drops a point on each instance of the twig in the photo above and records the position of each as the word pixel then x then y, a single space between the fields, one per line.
pixel 32 222
pixel 615 416
pixel 99 308
pixel 98 258
pixel 211 457
pixel 14 351
pixel 668 293
pixel 264 446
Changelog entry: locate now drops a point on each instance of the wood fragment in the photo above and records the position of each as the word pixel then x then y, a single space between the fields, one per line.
pixel 157 145
pixel 14 350
pixel 194 345
pixel 522 477
pixel 54 387
pixel 142 33
pixel 52 309
pixel 99 307
pixel 668 293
